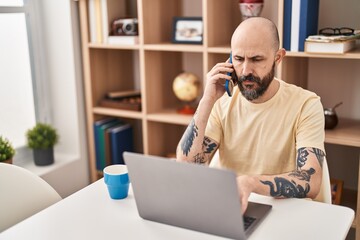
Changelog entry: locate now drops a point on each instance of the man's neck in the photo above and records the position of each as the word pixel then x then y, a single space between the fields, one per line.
pixel 269 93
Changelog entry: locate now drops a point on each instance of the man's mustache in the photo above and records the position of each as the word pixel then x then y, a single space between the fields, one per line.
pixel 250 78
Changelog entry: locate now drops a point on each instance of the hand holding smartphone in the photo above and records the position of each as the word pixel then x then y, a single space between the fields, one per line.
pixel 229 85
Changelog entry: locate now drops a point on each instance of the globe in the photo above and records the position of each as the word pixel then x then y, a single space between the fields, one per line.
pixel 186 87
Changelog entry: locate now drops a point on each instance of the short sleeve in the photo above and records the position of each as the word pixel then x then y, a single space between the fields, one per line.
pixel 310 129
pixel 213 128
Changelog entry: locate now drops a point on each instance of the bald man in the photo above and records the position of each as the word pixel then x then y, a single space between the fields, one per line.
pixel 269 132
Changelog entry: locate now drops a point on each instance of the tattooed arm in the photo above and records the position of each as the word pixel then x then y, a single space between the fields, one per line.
pixel 194 146
pixel 303 182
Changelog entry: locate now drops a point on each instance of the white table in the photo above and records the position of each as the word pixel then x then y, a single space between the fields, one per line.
pixel 91 214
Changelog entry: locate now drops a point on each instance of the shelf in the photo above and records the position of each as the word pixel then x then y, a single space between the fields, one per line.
pixel 347 132
pixel 174 47
pixel 117 113
pixel 113 46
pixel 170 116
pixel 220 49
pixel 60 161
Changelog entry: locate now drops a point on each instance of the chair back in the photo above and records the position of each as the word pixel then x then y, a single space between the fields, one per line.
pixel 22 194
pixel 325 189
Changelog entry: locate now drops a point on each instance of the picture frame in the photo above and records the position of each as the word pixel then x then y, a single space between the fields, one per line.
pixel 187 30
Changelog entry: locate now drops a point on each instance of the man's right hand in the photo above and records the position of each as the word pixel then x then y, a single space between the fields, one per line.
pixel 215 80
pixel 245 187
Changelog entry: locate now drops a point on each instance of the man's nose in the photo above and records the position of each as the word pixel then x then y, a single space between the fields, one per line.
pixel 247 68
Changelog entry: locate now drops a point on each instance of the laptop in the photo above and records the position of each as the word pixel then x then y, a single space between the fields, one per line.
pixel 191 196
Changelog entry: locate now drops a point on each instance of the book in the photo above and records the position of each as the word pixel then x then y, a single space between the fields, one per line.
pixel 99 137
pixel 122 94
pixel 98 21
pixel 329 47
pixel 121 139
pixel 104 151
pixel 304 22
pixel 107 139
pixel 309 14
pixel 295 25
pixel 97 126
pixel 287 24
pixel 92 21
pixel 323 38
pixel 126 40
pixel 132 103
pixel 110 11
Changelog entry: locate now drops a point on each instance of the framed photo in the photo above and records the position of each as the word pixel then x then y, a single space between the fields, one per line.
pixel 188 30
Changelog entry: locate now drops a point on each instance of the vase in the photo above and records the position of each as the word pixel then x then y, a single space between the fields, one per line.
pixel 250 8
pixel 43 157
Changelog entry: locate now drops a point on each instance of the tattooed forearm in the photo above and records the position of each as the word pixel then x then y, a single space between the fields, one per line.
pixel 320 155
pixel 208 148
pixel 303 174
pixel 208 145
pixel 189 136
pixel 199 158
pixel 286 188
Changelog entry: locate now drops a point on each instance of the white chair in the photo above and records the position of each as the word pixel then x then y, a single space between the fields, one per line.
pixel 22 194
pixel 325 189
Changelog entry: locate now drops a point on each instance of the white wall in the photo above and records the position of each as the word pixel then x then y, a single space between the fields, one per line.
pixel 62 49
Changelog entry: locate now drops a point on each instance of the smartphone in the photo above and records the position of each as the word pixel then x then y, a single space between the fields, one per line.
pixel 229 84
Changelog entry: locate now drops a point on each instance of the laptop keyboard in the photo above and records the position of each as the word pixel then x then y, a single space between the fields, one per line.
pixel 248 221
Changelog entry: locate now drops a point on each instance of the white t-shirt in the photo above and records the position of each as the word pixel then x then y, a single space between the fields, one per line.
pixel 264 138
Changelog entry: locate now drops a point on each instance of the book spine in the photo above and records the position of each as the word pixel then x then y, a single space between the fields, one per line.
pixel 295 25
pixel 97 146
pixel 104 16
pixel 99 32
pixel 92 21
pixel 309 12
pixel 287 24
pixel 104 151
pixel 97 132
pixel 107 147
pixel 121 141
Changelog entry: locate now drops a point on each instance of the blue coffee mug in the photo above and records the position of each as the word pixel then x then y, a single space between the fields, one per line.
pixel 116 178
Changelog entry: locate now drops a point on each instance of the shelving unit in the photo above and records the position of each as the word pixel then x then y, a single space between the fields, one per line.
pixel 151 66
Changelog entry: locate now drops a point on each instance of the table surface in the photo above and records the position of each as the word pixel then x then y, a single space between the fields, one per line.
pixel 91 214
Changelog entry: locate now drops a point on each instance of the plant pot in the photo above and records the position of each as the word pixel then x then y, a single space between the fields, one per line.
pixel 43 157
pixel 9 161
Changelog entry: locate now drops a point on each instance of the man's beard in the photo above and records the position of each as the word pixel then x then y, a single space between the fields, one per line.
pixel 263 84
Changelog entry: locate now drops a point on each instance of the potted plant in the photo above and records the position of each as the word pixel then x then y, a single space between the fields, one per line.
pixel 6 150
pixel 42 139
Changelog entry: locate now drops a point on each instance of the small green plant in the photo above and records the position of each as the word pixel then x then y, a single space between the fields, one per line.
pixel 42 136
pixel 6 149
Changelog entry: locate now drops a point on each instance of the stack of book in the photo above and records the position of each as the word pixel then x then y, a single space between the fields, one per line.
pixel 126 100
pixel 331 44
pixel 300 21
pixel 112 137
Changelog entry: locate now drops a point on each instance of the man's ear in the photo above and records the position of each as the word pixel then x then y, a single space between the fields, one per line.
pixel 280 54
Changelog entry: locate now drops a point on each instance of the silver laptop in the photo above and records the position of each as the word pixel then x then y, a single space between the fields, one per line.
pixel 191 196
